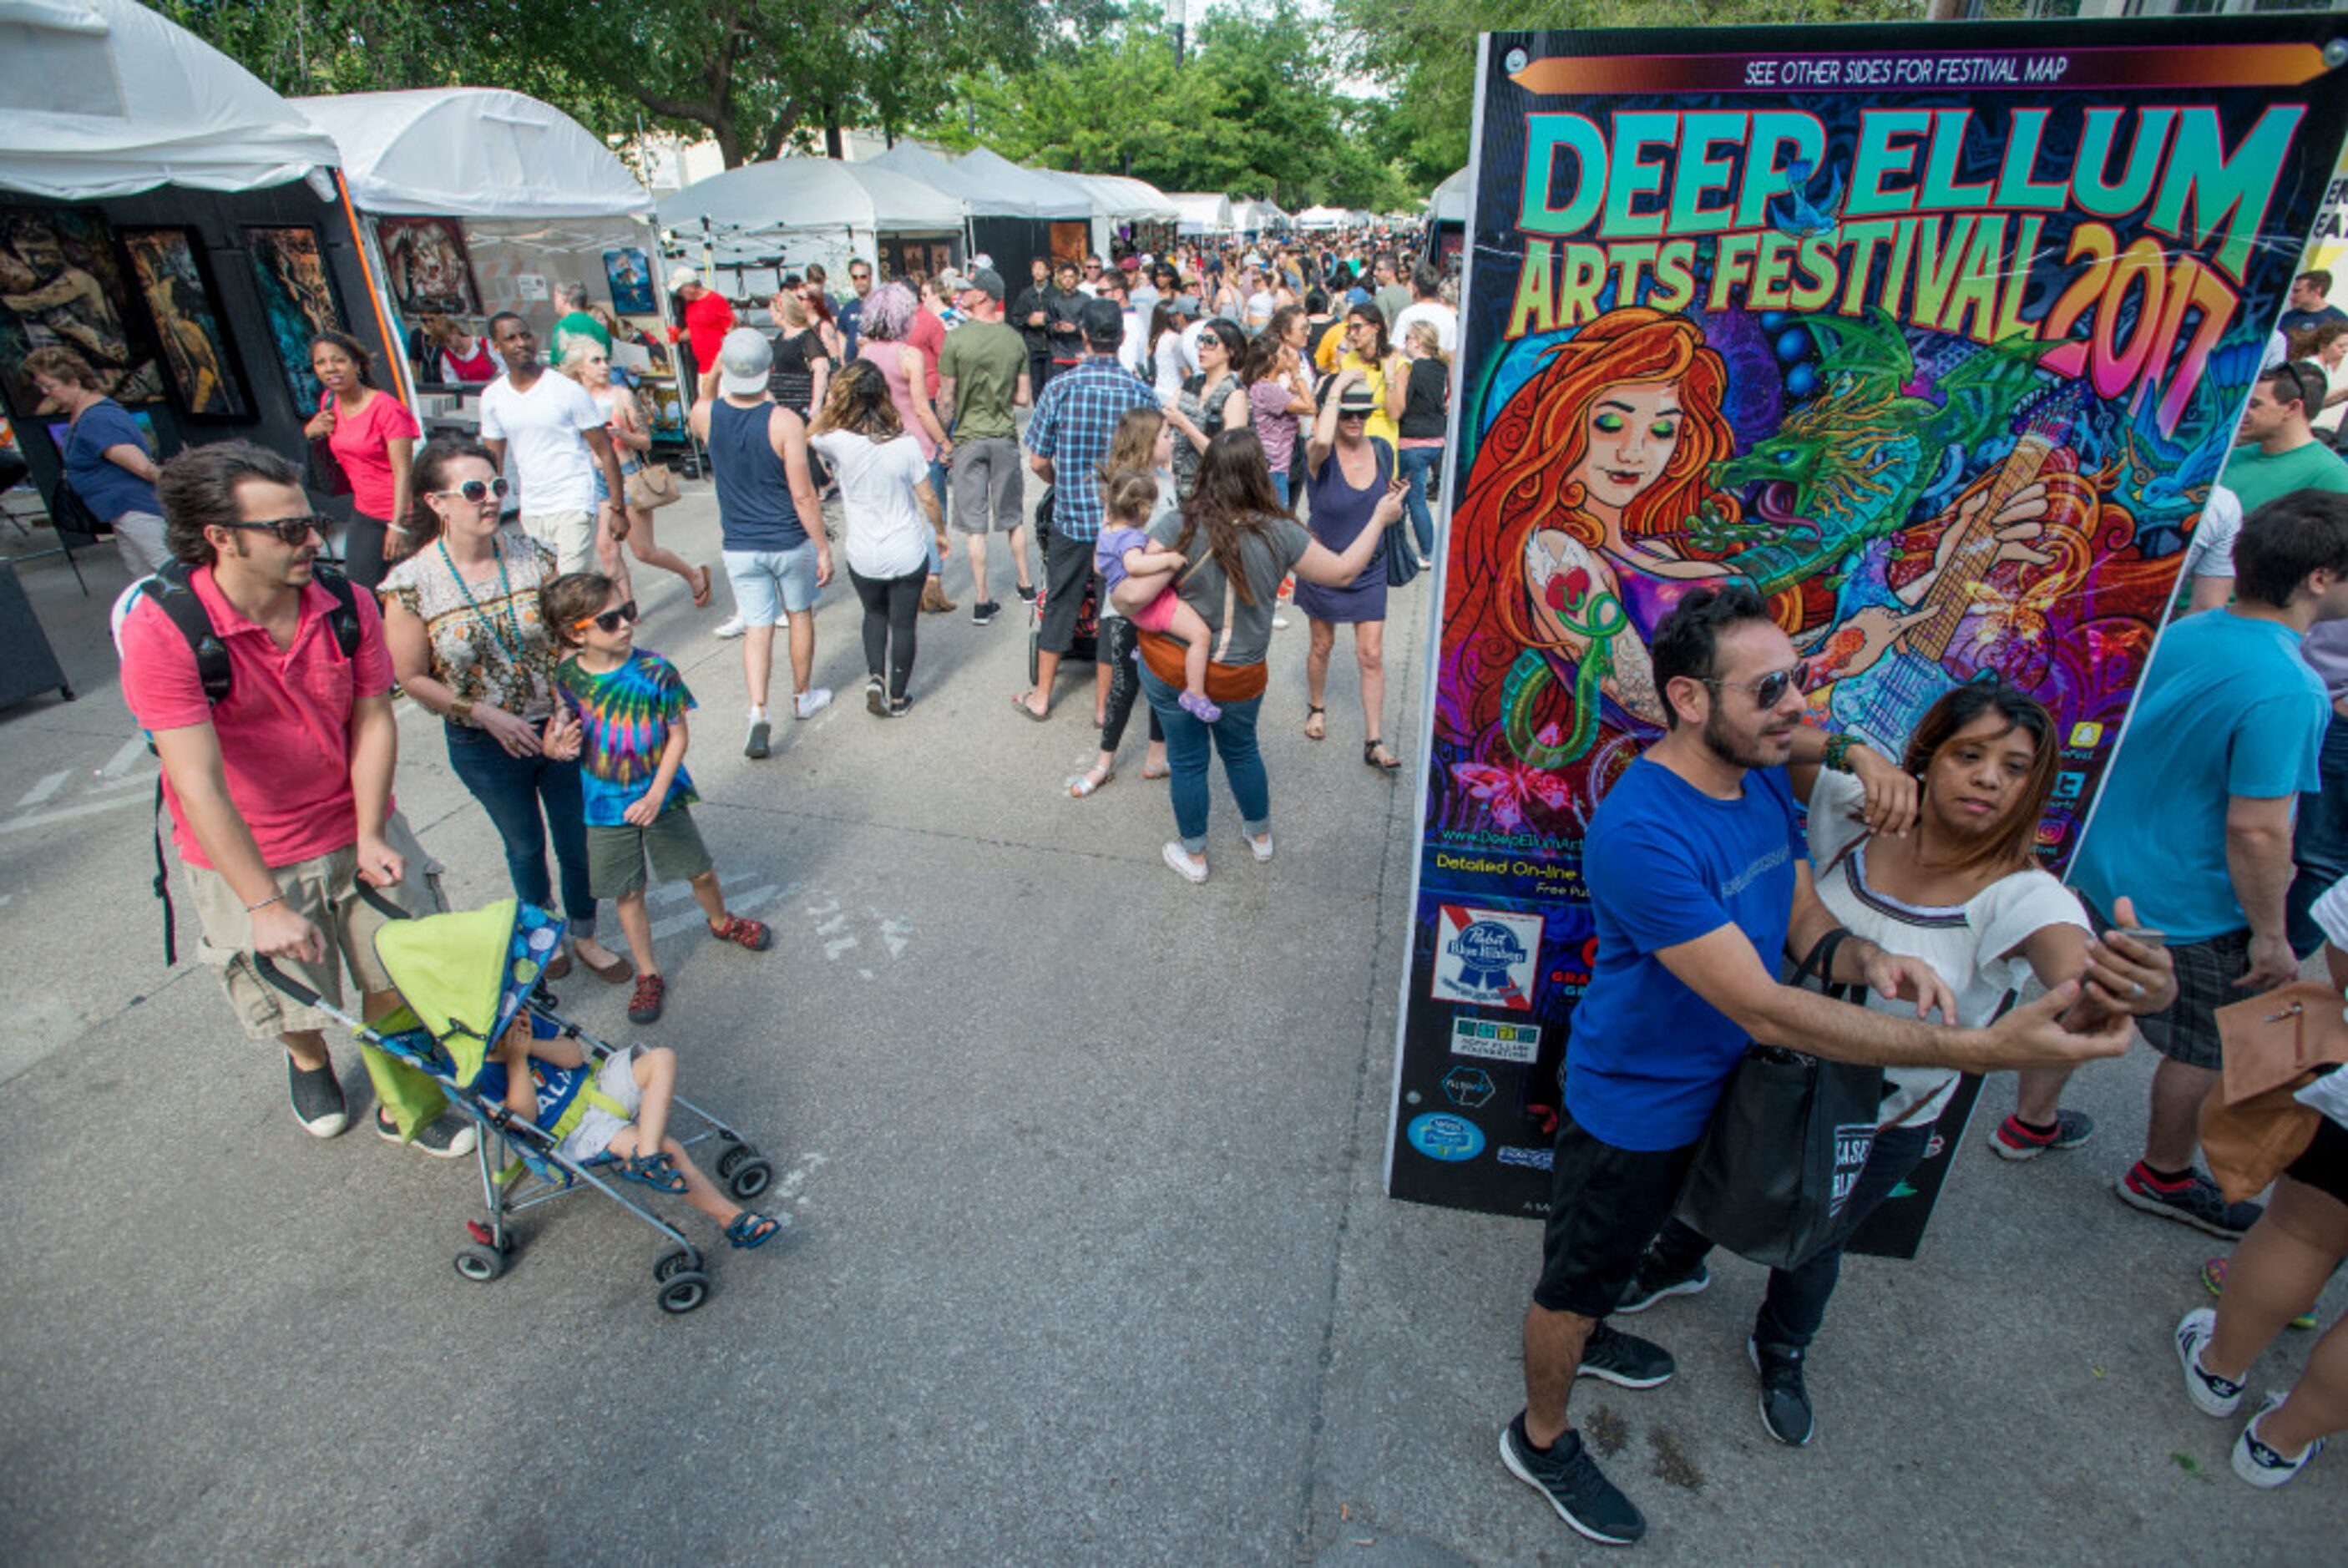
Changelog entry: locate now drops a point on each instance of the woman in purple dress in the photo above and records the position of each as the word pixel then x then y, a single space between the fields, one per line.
pixel 1346 475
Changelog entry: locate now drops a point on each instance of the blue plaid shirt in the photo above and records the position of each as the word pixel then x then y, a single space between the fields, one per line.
pixel 1074 420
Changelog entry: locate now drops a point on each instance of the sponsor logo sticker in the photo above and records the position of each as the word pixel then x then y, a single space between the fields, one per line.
pixel 1495 1042
pixel 1439 1135
pixel 1468 1087
pixel 1486 957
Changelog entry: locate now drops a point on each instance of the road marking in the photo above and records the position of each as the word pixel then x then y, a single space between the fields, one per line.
pixel 44 788
pixel 738 904
pixel 67 813
pixel 123 761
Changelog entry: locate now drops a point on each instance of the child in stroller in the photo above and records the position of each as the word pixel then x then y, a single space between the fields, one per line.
pixel 613 1117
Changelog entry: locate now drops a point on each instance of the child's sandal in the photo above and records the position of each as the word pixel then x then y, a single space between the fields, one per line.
pixel 749 933
pixel 750 1229
pixel 657 1172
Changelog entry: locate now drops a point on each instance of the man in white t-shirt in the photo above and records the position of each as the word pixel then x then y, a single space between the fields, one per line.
pixel 559 442
pixel 2208 575
pixel 1426 304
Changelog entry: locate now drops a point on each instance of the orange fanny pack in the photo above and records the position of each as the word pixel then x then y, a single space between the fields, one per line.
pixel 1225 683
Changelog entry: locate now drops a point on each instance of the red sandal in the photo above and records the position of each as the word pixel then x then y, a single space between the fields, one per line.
pixel 749 933
pixel 644 1005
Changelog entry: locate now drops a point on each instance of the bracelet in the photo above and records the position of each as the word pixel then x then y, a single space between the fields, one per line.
pixel 1839 753
pixel 264 904
pixel 461 711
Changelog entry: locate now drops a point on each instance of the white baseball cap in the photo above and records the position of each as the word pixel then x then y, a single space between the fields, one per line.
pixel 745 361
pixel 682 277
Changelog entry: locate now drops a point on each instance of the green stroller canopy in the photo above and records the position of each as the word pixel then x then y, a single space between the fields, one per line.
pixel 466 975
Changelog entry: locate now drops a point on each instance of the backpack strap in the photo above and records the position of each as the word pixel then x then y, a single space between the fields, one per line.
pixel 344 619
pixel 174 593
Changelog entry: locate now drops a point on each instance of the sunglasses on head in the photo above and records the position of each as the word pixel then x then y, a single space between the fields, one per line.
pixel 290 530
pixel 478 490
pixel 610 620
pixel 1771 689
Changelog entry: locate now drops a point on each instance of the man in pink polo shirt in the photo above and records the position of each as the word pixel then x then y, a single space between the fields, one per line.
pixel 281 792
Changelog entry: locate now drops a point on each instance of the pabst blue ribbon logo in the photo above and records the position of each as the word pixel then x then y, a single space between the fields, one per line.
pixel 1487 951
pixel 1486 957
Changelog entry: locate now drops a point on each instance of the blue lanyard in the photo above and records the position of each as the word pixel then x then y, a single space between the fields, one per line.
pixel 505 587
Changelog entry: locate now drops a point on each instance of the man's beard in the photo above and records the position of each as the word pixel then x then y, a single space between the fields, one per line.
pixel 1735 751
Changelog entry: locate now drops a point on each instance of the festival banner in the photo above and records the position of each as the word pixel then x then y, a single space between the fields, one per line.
pixel 1824 311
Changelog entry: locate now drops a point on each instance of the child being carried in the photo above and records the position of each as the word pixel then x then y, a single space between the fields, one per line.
pixel 1126 554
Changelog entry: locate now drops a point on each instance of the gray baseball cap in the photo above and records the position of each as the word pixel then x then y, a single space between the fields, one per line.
pixel 745 361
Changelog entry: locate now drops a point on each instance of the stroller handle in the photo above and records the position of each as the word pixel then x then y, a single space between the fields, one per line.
pixel 375 899
pixel 282 981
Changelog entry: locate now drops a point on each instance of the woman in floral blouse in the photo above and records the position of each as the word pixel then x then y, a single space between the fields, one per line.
pixel 461 616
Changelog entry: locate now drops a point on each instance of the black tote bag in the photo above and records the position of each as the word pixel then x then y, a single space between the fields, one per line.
pixel 1784 1148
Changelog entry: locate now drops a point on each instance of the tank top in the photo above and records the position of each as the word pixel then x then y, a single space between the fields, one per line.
pixel 886 357
pixel 755 511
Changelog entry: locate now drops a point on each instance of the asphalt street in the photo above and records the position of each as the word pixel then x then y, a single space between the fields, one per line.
pixel 1089 1262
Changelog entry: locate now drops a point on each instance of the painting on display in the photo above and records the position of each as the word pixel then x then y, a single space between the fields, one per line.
pixel 298 299
pixel 428 266
pixel 180 298
pixel 630 273
pixel 62 286
pixel 1937 344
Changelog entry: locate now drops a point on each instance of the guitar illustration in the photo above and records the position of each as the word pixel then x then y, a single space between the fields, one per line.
pixel 1883 686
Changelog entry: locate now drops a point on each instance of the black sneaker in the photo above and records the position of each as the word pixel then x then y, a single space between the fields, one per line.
pixel 1027 592
pixel 1784 1402
pixel 1653 1285
pixel 2195 1200
pixel 1570 1479
pixel 876 697
pixel 447 1137
pixel 1625 1360
pixel 317 1098
pixel 984 612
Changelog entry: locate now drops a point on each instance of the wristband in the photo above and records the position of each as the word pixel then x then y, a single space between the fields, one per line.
pixel 1839 753
pixel 264 904
pixel 461 711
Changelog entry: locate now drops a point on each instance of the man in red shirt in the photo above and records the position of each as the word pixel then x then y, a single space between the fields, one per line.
pixel 707 319
pixel 280 793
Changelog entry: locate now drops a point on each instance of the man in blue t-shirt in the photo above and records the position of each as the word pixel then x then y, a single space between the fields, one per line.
pixel 1699 880
pixel 2196 818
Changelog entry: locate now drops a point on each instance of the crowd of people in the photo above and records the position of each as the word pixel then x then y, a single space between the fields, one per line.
pixel 1177 414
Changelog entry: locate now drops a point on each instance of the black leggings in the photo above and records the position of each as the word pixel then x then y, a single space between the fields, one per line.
pixel 1119 636
pixel 891 606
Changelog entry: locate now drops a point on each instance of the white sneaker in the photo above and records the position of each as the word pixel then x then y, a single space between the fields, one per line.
pixel 731 627
pixel 810 702
pixel 1188 870
pixel 1260 848
pixel 2213 1395
pixel 2261 1465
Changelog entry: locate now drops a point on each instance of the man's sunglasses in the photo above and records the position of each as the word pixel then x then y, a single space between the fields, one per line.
pixel 290 530
pixel 478 490
pixel 1771 689
pixel 610 620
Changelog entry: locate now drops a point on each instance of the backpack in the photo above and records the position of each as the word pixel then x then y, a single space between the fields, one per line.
pixel 174 593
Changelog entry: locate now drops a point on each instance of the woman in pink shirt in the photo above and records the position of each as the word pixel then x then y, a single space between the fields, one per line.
pixel 893 316
pixel 373 437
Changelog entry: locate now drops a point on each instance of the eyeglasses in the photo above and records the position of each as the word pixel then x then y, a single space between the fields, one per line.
pixel 1771 689
pixel 290 530
pixel 610 620
pixel 478 490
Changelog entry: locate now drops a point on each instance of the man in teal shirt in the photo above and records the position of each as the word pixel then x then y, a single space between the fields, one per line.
pixel 575 326
pixel 2280 452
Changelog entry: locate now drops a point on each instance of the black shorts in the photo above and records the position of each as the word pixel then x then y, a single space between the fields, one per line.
pixel 2324 1165
pixel 1606 1205
pixel 2187 1029
pixel 1067 571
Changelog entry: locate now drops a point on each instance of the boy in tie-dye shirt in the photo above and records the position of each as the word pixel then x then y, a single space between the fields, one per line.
pixel 629 734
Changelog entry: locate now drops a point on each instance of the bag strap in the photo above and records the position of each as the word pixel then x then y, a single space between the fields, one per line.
pixel 174 593
pixel 1820 962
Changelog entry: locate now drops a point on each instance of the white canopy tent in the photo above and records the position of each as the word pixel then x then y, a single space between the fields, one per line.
pixel 1202 213
pixel 473 152
pixel 760 219
pixel 1118 201
pixel 1258 217
pixel 103 99
pixel 1448 204
pixel 992 183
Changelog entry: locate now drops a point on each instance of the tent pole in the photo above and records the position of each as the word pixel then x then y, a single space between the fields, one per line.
pixel 393 350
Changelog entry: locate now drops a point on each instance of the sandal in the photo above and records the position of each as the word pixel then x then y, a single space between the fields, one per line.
pixel 1316 723
pixel 1387 763
pixel 750 1229
pixel 1085 783
pixel 701 594
pixel 1019 701
pixel 651 995
pixel 742 933
pixel 657 1172
pixel 1160 773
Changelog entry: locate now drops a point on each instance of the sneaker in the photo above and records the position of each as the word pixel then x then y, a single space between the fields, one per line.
pixel 2213 1280
pixel 1260 848
pixel 1188 870
pixel 1653 1285
pixel 754 746
pixel 1625 1360
pixel 876 697
pixel 984 610
pixel 445 1138
pixel 1784 1402
pixel 2213 1395
pixel 644 1005
pixel 2194 1201
pixel 1027 592
pixel 1199 706
pixel 1570 1479
pixel 731 627
pixel 2014 1142
pixel 2261 1465
pixel 317 1098
pixel 810 702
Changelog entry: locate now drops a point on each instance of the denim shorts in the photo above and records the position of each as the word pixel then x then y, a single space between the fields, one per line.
pixel 769 583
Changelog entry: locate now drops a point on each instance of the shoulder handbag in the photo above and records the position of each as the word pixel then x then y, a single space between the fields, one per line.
pixel 323 474
pixel 2253 1124
pixel 1784 1148
pixel 654 486
pixel 1401 554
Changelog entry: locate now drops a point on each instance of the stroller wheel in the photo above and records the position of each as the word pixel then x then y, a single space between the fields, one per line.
pixel 684 1292
pixel 750 1178
pixel 481 1263
pixel 674 1262
pixel 729 1161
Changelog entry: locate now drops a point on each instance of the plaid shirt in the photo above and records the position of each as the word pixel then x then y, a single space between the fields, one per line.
pixel 1074 420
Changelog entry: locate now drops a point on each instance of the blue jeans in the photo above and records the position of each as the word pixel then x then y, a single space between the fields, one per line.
pixel 513 789
pixel 1415 464
pixel 928 540
pixel 1280 486
pixel 1187 742
pixel 2320 842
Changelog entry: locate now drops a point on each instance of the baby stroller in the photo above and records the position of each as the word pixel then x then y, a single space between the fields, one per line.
pixel 463 979
pixel 1085 648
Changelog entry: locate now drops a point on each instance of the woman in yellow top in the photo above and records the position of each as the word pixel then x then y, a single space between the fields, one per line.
pixel 1362 346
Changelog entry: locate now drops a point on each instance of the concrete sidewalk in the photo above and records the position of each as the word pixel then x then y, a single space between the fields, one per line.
pixel 1090 1261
